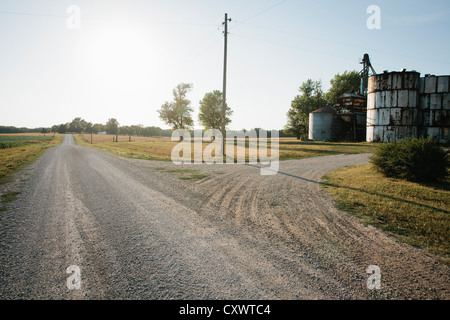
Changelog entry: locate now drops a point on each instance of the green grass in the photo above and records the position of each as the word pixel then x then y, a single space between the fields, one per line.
pixel 418 214
pixel 9 196
pixel 6 198
pixel 15 158
pixel 12 141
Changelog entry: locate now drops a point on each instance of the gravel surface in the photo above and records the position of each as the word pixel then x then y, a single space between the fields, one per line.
pixel 139 232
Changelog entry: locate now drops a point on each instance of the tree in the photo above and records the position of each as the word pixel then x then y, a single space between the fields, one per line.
pixel 210 115
pixel 98 127
pixel 62 128
pixel 178 112
pixel 77 125
pixel 311 98
pixel 89 127
pixel 112 127
pixel 349 81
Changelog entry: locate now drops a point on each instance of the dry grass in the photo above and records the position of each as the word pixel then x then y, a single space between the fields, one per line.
pixel 160 148
pixel 12 159
pixel 415 213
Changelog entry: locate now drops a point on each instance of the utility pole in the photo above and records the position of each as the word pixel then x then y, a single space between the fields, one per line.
pixel 224 91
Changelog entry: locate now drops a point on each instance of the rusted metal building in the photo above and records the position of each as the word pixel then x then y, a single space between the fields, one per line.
pixel 392 106
pixel 434 107
pixel 344 121
pixel 401 104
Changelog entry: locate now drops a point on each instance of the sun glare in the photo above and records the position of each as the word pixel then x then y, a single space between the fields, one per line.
pixel 118 56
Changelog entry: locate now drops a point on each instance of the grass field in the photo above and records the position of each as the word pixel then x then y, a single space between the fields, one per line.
pixel 160 148
pixel 21 149
pixel 414 213
pixel 11 141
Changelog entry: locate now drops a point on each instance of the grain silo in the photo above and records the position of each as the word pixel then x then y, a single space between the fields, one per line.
pixel 321 124
pixel 392 106
pixel 434 107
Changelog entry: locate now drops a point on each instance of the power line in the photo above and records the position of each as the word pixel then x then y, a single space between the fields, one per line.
pixel 288 45
pixel 344 43
pixel 264 11
pixel 297 47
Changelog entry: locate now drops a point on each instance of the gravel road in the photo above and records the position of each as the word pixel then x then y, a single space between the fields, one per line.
pixel 139 232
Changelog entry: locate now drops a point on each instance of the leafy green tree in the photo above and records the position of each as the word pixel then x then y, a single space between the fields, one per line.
pixel 210 115
pixel 311 98
pixel 178 112
pixel 63 127
pixel 112 127
pixel 98 127
pixel 77 125
pixel 89 127
pixel 348 82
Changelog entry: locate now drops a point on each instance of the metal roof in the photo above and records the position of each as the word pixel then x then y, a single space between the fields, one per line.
pixel 326 109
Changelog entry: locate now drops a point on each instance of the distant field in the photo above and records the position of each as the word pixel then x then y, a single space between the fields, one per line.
pixel 18 150
pixel 11 141
pixel 160 148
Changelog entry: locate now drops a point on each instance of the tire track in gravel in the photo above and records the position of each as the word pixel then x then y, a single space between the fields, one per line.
pixel 141 233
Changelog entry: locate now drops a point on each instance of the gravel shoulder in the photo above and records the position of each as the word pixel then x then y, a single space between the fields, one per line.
pixel 138 232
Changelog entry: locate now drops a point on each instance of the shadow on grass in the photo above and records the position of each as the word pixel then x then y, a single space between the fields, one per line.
pixel 327 184
pixel 336 144
pixel 321 152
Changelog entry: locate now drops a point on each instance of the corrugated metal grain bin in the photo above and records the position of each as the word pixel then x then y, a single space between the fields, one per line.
pixel 393 100
pixel 321 124
pixel 434 105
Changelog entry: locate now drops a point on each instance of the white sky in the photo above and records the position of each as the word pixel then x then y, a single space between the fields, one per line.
pixel 127 56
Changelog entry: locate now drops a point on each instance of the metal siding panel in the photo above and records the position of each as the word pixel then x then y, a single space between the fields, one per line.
pixel 387 99
pixel 372 84
pixel 379 100
pixel 397 81
pixel 403 96
pixel 435 101
pixel 430 84
pixel 424 102
pixel 383 117
pixel 426 118
pixel 412 81
pixel 378 133
pixel 369 134
pixel 371 114
pixel 371 101
pixel 412 99
pixel 422 85
pixel 395 116
pixel 443 84
pixel 446 101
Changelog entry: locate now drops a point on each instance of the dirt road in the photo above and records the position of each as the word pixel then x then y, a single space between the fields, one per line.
pixel 138 232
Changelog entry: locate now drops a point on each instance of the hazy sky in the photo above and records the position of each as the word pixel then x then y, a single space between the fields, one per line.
pixel 127 55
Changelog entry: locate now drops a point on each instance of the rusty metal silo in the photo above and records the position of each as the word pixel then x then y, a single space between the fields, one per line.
pixel 392 106
pixel 434 107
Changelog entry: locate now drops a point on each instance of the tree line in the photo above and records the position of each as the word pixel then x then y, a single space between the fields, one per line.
pixel 177 113
pixel 112 126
